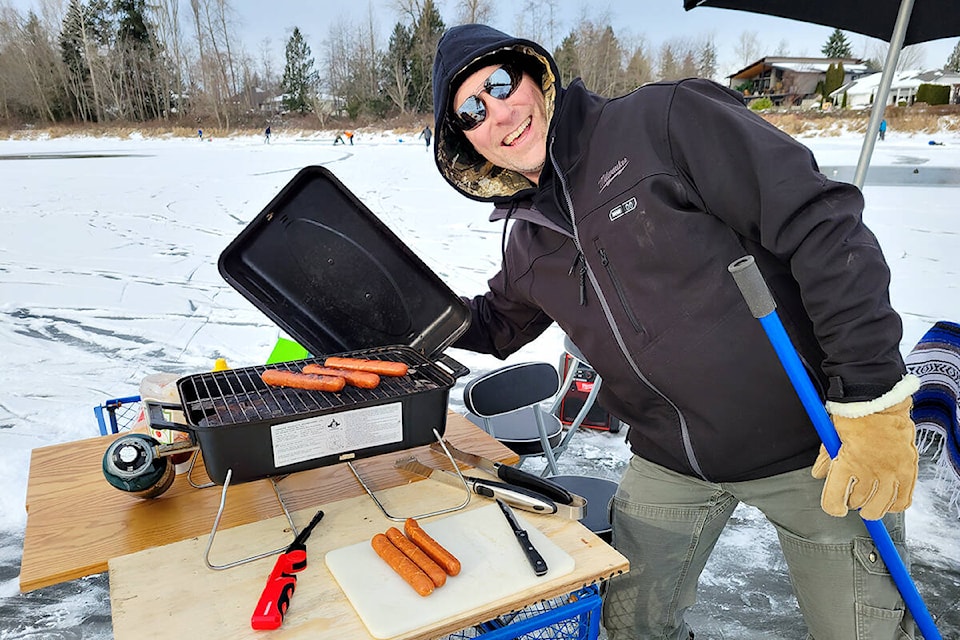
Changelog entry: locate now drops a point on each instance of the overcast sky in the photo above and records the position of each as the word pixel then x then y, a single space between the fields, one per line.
pixel 655 21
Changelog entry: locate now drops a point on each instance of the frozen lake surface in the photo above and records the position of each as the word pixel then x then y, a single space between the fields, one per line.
pixel 108 273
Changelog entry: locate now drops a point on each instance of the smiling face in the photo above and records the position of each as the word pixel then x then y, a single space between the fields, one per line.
pixel 514 133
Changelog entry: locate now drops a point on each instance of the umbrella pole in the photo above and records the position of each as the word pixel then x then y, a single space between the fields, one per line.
pixel 762 306
pixel 883 90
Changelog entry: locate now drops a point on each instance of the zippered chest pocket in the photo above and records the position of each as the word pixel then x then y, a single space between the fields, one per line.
pixel 618 286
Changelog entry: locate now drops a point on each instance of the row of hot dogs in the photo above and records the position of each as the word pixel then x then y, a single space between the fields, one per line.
pixel 416 557
pixel 335 373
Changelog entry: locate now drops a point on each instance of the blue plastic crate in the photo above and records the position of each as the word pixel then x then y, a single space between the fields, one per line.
pixel 117 414
pixel 575 616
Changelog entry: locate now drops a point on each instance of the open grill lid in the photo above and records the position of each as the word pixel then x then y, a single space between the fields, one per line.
pixel 326 270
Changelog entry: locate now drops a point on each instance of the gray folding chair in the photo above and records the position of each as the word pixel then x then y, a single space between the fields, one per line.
pixel 506 403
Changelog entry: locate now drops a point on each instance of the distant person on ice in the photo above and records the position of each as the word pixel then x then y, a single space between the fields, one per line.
pixel 200 134
pixel 426 134
pixel 266 135
pixel 624 216
pixel 340 136
pixel 883 128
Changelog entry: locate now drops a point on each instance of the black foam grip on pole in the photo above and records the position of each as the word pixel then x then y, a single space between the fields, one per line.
pixel 750 281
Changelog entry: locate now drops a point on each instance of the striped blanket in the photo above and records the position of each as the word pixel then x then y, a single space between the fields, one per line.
pixel 936 361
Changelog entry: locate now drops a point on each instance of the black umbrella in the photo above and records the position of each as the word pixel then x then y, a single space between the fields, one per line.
pixel 929 19
pixel 899 22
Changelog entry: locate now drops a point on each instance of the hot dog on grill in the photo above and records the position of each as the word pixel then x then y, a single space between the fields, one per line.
pixel 362 379
pixel 403 565
pixel 281 378
pixel 431 547
pixel 434 571
pixel 381 367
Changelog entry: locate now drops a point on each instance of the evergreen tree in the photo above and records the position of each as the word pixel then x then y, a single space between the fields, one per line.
pixel 396 67
pixel 132 27
pixel 953 62
pixel 299 77
pixel 639 69
pixel 567 58
pixel 45 97
pixel 707 62
pixel 72 54
pixel 426 33
pixel 84 30
pixel 606 73
pixel 139 51
pixel 837 46
pixel 833 80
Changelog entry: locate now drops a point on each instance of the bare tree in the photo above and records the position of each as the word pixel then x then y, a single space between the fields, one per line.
pixel 409 11
pixel 601 58
pixel 266 70
pixel 33 53
pixel 166 16
pixel 537 20
pixel 338 52
pixel 212 30
pixel 397 68
pixel 368 59
pixel 639 70
pixel 747 48
pixel 912 57
pixel 223 30
pixel 475 11
pixel 680 58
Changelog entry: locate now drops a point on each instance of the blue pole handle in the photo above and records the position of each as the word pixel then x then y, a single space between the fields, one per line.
pixel 760 301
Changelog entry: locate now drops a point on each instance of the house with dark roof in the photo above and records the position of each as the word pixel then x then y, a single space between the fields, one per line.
pixel 790 82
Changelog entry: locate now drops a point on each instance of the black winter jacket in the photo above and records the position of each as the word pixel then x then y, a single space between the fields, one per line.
pixel 644 202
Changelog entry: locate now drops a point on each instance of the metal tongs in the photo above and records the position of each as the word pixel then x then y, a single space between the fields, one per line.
pixel 567 505
pixel 511 494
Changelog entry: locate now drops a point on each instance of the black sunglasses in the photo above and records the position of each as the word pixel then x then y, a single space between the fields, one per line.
pixel 500 85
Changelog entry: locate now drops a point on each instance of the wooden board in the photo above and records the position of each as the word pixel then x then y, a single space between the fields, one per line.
pixel 76 521
pixel 168 592
pixel 493 567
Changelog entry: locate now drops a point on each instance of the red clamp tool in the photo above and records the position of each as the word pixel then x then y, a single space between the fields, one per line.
pixel 275 599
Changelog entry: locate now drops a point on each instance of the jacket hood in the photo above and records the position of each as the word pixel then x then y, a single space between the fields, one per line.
pixel 461 51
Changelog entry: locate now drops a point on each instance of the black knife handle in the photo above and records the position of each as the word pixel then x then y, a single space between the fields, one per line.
pixel 533 556
pixel 543 486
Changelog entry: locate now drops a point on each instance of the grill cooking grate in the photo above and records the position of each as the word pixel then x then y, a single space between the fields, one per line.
pixel 239 396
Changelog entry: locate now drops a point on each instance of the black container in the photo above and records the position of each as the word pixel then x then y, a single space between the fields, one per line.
pixel 321 265
pixel 258 431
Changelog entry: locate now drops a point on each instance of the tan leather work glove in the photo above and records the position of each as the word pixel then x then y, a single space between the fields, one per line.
pixel 876 468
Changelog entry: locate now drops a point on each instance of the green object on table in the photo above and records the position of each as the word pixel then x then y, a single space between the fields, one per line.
pixel 286 350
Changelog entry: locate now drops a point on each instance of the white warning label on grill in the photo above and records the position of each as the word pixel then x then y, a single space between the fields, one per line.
pixel 311 438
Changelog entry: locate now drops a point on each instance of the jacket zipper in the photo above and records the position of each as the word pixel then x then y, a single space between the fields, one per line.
pixel 618 287
pixel 581 274
pixel 684 429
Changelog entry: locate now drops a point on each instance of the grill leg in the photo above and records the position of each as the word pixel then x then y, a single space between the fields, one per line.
pixel 389 516
pixel 216 524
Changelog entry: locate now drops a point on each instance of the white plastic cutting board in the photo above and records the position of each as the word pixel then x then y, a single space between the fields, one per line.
pixel 492 566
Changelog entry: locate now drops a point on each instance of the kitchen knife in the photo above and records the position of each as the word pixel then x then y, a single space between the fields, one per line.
pixel 510 474
pixel 517 496
pixel 533 556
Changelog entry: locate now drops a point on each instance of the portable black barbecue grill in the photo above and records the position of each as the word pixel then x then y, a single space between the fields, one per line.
pixel 328 272
pixel 258 430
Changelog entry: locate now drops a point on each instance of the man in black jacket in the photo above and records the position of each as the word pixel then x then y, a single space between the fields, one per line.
pixel 626 213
